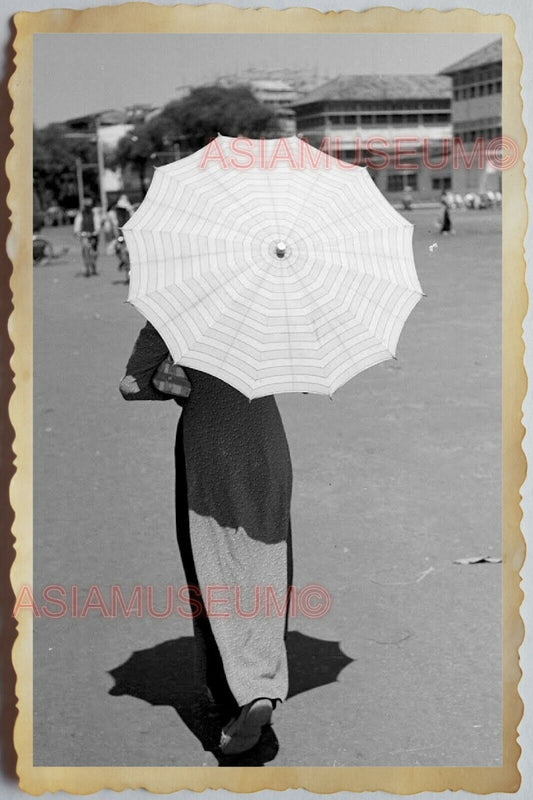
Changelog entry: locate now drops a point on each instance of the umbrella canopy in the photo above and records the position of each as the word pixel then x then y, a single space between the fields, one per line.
pixel 272 266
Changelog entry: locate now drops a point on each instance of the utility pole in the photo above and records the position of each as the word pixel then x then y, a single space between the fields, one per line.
pixel 101 166
pixel 79 180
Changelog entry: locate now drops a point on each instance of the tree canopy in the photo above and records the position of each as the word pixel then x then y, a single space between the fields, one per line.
pixel 192 122
pixel 54 165
pixel 209 110
pixel 182 126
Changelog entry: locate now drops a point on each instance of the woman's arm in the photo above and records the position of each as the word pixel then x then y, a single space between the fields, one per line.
pixel 148 352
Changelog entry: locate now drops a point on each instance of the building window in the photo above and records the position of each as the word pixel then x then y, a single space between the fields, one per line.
pixel 397 181
pixel 366 120
pixel 394 183
pixel 498 87
pixel 481 90
pixel 399 119
pixel 472 92
pixel 347 155
pixel 382 119
pixel 311 122
pixel 350 119
pixel 435 119
pixel 490 88
pixel 441 183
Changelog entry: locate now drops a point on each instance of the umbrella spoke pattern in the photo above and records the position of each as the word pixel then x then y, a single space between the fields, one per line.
pixel 276 275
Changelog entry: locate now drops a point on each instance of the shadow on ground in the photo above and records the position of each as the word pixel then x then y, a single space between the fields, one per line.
pixel 166 675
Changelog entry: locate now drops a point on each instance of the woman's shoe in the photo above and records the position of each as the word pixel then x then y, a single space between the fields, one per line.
pixel 244 731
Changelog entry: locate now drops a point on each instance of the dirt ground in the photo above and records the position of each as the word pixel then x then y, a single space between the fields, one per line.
pixel 394 479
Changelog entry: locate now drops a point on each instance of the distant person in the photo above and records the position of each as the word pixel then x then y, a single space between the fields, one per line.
pixel 446 223
pixel 118 216
pixel 407 198
pixel 87 225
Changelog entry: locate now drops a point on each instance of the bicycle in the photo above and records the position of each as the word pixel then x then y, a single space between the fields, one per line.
pixel 89 252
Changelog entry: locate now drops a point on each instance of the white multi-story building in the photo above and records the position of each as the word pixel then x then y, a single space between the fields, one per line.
pixel 477 116
pixel 399 126
pixel 279 97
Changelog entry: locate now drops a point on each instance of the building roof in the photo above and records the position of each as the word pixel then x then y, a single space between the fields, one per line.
pixel 113 116
pixel 108 117
pixel 490 54
pixel 380 87
pixel 271 85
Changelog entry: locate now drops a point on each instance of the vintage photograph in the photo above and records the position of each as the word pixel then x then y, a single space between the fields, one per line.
pixel 379 504
pixel 267 400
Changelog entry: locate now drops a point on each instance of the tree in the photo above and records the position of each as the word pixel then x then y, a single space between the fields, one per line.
pixel 54 165
pixel 208 110
pixel 136 149
pixel 191 123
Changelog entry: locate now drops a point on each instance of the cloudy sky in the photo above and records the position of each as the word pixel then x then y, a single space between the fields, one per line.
pixel 76 74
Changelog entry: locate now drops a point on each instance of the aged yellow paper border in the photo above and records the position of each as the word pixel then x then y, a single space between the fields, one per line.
pixel 147 18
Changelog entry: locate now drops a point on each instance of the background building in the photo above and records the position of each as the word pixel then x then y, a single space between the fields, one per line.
pixel 112 124
pixel 279 97
pixel 278 88
pixel 366 113
pixel 476 114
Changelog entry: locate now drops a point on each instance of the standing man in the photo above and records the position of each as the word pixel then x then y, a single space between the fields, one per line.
pixel 87 225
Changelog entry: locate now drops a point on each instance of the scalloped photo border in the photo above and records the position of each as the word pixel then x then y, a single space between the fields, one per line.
pixel 216 18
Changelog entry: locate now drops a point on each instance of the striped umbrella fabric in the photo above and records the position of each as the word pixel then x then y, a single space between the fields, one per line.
pixel 272 266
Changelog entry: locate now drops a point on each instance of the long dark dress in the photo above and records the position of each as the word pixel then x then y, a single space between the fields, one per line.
pixel 233 494
pixel 446 224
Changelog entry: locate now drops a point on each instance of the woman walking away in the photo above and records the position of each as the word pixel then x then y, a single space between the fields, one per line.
pixel 233 493
pixel 446 225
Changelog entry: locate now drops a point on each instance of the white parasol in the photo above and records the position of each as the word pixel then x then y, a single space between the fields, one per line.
pixel 272 266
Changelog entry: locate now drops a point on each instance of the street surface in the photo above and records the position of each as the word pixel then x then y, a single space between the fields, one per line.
pixel 394 479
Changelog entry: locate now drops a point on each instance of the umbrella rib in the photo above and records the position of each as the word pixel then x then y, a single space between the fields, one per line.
pixel 360 271
pixel 187 256
pixel 173 231
pixel 326 266
pixel 241 323
pixel 303 204
pixel 347 373
pixel 212 289
pixel 375 304
pixel 348 215
pixel 269 184
pixel 228 191
pixel 344 347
